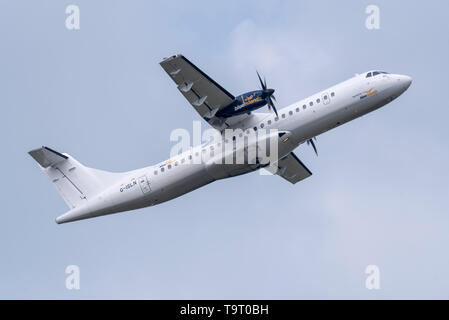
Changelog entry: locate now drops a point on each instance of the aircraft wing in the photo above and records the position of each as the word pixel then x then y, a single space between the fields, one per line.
pixel 202 92
pixel 292 169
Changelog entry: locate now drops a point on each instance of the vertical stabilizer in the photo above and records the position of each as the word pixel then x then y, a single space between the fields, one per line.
pixel 75 183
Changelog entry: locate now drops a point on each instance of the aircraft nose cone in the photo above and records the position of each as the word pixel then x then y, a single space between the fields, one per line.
pixel 405 81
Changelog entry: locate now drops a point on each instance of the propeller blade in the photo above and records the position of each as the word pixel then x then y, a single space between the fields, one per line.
pixel 310 141
pixel 260 79
pixel 274 98
pixel 268 93
pixel 271 104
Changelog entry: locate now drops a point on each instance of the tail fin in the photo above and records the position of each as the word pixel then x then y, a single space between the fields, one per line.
pixel 75 183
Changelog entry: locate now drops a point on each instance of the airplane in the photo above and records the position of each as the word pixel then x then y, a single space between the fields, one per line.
pixel 91 192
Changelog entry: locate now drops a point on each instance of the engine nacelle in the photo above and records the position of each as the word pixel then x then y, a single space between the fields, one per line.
pixel 245 103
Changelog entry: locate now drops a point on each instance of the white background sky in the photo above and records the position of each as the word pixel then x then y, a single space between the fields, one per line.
pixel 380 185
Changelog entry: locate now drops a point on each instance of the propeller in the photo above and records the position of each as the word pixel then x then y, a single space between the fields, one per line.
pixel 268 93
pixel 310 141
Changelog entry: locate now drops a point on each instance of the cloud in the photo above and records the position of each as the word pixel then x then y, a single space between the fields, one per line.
pixel 286 56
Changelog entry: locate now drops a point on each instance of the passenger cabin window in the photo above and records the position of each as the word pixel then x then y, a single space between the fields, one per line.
pixel 155 172
pixel 297 109
pixel 269 122
pixel 290 113
pixel 162 169
pixel 283 115
pixel 333 94
pixel 304 107
pixel 311 103
pixel 318 100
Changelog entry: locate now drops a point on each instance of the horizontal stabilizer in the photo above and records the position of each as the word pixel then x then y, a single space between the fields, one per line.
pixel 47 157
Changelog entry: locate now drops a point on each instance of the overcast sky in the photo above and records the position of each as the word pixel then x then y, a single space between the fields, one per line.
pixel 379 191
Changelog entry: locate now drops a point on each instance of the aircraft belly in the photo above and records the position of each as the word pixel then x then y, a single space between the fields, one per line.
pixel 186 178
pixel 222 171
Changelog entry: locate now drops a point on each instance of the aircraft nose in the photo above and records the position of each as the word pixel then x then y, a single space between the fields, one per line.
pixel 405 81
pixel 408 81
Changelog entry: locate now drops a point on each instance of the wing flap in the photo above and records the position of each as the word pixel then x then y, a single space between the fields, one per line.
pixel 292 169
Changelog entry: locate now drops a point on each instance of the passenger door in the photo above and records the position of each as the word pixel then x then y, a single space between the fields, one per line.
pixel 144 184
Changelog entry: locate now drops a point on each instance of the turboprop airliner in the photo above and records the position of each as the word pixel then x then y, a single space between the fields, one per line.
pixel 91 193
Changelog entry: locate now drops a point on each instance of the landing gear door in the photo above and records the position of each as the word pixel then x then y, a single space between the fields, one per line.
pixel 144 184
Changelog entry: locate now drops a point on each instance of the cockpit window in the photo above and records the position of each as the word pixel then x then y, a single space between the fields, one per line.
pixel 375 73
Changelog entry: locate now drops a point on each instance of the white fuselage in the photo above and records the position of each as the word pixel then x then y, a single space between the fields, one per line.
pixel 303 120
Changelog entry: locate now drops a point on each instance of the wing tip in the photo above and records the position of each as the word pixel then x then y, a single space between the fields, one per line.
pixel 178 55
